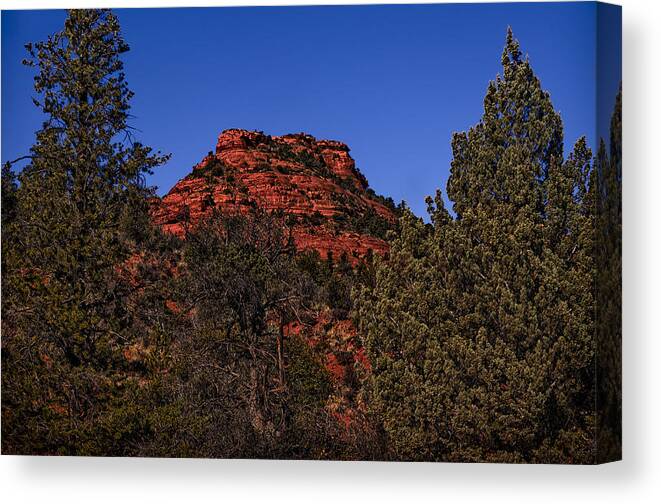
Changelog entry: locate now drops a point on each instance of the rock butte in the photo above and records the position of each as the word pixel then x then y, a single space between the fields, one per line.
pixel 315 181
pixel 316 184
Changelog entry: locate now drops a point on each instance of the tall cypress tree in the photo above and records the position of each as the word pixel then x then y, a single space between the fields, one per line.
pixel 80 207
pixel 480 329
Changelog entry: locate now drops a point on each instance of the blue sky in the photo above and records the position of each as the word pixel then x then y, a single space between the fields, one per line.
pixel 393 82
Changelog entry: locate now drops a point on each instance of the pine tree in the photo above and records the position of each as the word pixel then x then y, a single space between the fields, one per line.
pixel 480 330
pixel 80 208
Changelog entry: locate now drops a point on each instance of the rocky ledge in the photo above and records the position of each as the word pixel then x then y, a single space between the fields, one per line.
pixel 315 183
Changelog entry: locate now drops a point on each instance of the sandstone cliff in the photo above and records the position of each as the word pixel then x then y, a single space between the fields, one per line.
pixel 314 183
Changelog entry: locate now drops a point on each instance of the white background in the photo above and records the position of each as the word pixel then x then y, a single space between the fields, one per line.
pixel 636 479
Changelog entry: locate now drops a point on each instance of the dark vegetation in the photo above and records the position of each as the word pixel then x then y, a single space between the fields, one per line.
pixel 490 333
pixel 371 223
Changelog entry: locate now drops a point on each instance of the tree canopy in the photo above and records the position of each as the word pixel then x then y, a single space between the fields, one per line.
pixel 492 333
pixel 481 327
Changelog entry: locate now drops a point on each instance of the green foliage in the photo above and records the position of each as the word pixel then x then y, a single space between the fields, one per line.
pixel 309 382
pixel 371 223
pixel 607 178
pixel 335 281
pixel 249 389
pixel 481 328
pixel 9 189
pixel 215 168
pixel 77 214
pixel 118 340
pixel 386 201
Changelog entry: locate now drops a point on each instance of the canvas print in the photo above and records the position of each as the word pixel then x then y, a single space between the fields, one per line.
pixel 386 232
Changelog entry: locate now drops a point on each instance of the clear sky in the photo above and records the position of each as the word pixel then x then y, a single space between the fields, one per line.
pixel 393 82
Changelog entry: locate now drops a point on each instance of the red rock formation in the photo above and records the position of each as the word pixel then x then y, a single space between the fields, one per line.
pixel 314 182
pixel 316 185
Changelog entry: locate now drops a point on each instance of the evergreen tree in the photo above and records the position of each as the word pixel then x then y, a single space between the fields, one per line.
pixel 80 210
pixel 608 258
pixel 9 188
pixel 480 330
pixel 236 384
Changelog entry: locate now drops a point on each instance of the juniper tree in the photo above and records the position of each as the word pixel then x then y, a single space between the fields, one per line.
pixel 480 329
pixel 608 257
pixel 80 207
